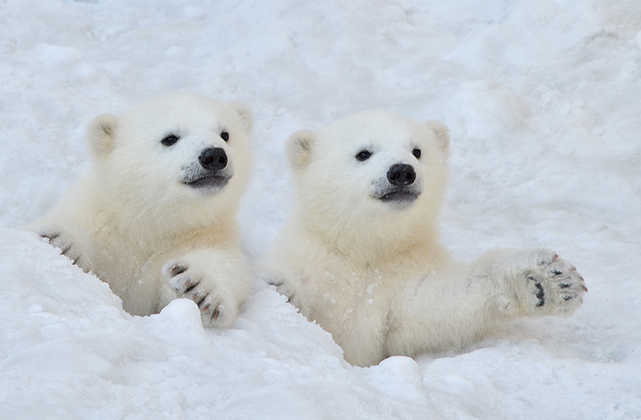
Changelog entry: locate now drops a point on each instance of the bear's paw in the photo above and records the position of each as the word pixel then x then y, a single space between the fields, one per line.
pixel 62 240
pixel 553 285
pixel 192 282
pixel 285 288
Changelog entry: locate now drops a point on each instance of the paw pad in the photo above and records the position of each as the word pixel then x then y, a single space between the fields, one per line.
pixel 557 287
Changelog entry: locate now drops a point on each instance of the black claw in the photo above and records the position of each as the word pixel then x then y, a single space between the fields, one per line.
pixel 215 315
pixel 50 237
pixel 556 272
pixel 191 287
pixel 564 285
pixel 568 297
pixel 176 269
pixel 275 282
pixel 540 294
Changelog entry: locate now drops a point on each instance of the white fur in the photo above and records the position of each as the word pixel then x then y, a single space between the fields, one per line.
pixel 132 218
pixel 374 274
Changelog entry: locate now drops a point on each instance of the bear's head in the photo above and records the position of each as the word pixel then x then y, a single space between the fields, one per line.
pixel 369 175
pixel 176 156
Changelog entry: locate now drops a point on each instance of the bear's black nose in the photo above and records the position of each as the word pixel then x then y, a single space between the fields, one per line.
pixel 213 158
pixel 401 174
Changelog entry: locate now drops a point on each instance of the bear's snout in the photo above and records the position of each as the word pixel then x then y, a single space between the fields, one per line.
pixel 401 174
pixel 213 158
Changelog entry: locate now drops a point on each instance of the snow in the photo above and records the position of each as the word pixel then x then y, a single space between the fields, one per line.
pixel 542 99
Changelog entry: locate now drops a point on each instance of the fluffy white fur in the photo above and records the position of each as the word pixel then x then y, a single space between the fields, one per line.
pixel 136 221
pixel 369 268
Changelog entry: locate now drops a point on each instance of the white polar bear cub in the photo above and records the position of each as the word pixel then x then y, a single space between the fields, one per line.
pixel 361 254
pixel 155 216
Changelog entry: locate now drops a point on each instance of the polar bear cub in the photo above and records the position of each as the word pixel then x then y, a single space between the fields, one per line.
pixel 155 216
pixel 361 255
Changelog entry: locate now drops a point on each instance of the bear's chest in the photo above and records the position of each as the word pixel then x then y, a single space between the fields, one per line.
pixel 345 293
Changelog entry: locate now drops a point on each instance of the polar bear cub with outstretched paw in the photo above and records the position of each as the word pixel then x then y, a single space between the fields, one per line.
pixel 361 255
pixel 155 216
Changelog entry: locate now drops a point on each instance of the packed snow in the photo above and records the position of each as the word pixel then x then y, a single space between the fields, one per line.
pixel 543 101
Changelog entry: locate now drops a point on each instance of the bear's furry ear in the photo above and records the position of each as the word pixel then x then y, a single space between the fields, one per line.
pixel 100 135
pixel 245 113
pixel 442 133
pixel 299 148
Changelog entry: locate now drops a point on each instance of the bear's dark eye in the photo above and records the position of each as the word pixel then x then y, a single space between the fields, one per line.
pixel 363 155
pixel 417 153
pixel 170 140
pixel 224 135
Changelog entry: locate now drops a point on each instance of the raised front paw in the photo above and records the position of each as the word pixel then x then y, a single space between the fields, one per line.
pixel 552 285
pixel 62 240
pixel 192 282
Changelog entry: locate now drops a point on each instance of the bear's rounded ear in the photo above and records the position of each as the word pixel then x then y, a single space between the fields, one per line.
pixel 299 148
pixel 100 135
pixel 442 133
pixel 245 113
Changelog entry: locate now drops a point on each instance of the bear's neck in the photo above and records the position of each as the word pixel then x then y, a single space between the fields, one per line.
pixel 368 243
pixel 155 227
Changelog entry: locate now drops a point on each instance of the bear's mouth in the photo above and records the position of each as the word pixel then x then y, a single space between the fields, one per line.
pixel 400 198
pixel 402 195
pixel 208 182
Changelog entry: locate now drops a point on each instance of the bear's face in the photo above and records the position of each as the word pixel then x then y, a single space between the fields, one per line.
pixel 369 167
pixel 177 149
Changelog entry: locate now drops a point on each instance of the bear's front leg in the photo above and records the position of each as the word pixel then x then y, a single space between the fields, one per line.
pixel 218 281
pixel 460 304
pixel 538 282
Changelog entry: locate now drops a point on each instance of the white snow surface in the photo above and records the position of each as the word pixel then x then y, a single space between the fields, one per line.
pixel 543 99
